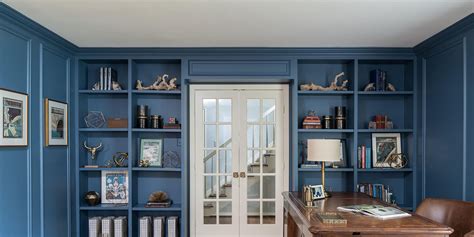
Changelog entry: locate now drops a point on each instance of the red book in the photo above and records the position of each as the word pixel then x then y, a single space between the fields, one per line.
pixel 363 157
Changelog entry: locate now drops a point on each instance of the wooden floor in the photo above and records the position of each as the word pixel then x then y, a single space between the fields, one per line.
pixel 228 220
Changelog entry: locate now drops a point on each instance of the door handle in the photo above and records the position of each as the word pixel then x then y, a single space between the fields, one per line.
pixel 242 174
pixel 235 174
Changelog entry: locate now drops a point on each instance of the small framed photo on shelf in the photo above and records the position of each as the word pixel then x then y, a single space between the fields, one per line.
pixel 151 153
pixel 318 192
pixel 114 187
pixel 383 146
pixel 14 118
pixel 56 123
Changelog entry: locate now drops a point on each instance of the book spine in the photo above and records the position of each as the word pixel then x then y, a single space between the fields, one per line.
pixel 369 158
pixel 101 81
pixel 109 79
pixel 359 162
pixel 363 157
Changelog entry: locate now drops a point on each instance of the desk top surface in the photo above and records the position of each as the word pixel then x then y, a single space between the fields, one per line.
pixel 414 224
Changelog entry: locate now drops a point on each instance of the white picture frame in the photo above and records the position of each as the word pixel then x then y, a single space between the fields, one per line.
pixel 318 192
pixel 114 187
pixel 383 146
pixel 56 123
pixel 13 118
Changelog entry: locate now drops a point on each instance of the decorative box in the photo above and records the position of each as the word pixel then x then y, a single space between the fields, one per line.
pixel 117 123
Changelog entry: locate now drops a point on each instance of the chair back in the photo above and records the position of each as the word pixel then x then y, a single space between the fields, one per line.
pixel 456 214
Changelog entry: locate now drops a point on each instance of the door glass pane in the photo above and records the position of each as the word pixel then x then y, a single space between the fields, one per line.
pixel 253 110
pixel 225 110
pixel 210 183
pixel 253 165
pixel 253 212
pixel 269 133
pixel 210 136
pixel 225 136
pixel 209 110
pixel 209 213
pixel 225 212
pixel 253 187
pixel 210 161
pixel 225 161
pixel 269 110
pixel 268 186
pixel 225 187
pixel 268 161
pixel 268 212
pixel 253 136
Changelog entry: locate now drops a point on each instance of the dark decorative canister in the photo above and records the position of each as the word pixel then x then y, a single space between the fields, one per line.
pixel 160 121
pixel 142 110
pixel 92 198
pixel 141 121
pixel 155 123
pixel 340 111
pixel 340 122
pixel 327 122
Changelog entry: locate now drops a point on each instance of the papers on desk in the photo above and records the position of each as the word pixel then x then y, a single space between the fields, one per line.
pixel 377 211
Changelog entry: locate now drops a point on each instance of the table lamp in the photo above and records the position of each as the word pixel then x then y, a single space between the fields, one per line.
pixel 324 150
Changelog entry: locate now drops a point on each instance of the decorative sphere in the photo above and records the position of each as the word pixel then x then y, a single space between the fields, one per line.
pixel 92 198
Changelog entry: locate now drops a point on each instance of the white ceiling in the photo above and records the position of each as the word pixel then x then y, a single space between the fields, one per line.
pixel 245 23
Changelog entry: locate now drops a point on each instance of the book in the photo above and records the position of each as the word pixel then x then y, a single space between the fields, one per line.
pixel 159 204
pixel 377 211
pixel 101 81
pixel 332 218
pixel 95 226
pixel 363 157
pixel 359 156
pixel 145 226
pixel 379 78
pixel 172 226
pixel 107 226
pixel 159 226
pixel 369 158
pixel 310 166
pixel 120 226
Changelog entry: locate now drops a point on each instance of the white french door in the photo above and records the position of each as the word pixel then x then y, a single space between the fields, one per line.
pixel 239 159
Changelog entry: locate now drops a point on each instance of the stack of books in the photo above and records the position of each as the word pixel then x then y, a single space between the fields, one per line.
pixel 120 226
pixel 95 226
pixel 155 226
pixel 108 226
pixel 159 226
pixel 364 157
pixel 379 78
pixel 107 76
pixel 172 226
pixel 311 122
pixel 379 191
pixel 145 226
pixel 377 211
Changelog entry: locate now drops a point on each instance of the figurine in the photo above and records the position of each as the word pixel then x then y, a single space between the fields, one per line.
pixel 93 150
pixel 332 87
pixel 160 83
pixel 115 86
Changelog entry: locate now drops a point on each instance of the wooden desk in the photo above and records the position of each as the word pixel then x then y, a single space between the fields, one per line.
pixel 301 220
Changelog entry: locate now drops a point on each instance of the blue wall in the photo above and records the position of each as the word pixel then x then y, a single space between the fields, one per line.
pixel 34 200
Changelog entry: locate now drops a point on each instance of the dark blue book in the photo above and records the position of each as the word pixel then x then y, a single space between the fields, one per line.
pixel 379 78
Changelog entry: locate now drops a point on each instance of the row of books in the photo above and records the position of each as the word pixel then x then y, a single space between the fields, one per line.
pixel 108 226
pixel 364 157
pixel 155 226
pixel 107 76
pixel 379 78
pixel 379 191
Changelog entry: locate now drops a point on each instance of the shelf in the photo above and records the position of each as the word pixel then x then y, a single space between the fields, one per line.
pixel 325 130
pixel 156 169
pixel 327 169
pixel 385 92
pixel 141 207
pixel 385 130
pixel 103 129
pixel 155 92
pixel 104 168
pixel 105 207
pixel 160 130
pixel 325 92
pixel 102 92
pixel 386 170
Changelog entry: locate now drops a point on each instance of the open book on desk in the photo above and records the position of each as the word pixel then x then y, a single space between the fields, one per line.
pixel 377 211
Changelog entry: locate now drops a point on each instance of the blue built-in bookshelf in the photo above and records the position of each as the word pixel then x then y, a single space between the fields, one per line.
pixel 361 107
pixel 122 104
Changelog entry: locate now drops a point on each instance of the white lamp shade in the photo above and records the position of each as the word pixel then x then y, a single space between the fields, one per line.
pixel 324 150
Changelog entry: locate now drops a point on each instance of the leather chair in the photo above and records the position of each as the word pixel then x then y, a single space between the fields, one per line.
pixel 458 215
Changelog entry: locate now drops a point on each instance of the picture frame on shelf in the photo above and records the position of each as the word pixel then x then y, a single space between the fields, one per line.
pixel 151 152
pixel 114 187
pixel 56 123
pixel 383 146
pixel 318 192
pixel 14 118
pixel 342 163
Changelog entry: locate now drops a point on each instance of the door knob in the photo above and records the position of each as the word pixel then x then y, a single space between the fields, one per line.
pixel 242 174
pixel 235 174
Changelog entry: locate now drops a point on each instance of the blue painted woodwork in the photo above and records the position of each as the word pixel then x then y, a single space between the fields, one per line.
pixel 239 68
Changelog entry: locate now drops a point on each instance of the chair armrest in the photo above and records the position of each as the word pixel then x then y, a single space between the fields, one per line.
pixel 470 234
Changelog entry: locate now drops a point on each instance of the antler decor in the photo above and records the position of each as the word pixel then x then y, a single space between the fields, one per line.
pixel 92 150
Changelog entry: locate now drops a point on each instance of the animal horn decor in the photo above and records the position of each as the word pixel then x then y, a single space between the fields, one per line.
pixel 93 150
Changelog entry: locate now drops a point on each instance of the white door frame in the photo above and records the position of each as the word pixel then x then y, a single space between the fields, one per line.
pixel 193 157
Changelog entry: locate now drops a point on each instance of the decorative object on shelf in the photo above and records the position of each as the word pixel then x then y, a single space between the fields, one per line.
pixel 142 116
pixel 172 124
pixel 383 146
pixel 372 125
pixel 114 186
pixel 56 123
pixel 92 198
pixel 93 150
pixel 159 84
pixel 328 122
pixel 117 123
pixel 171 160
pixel 381 122
pixel 152 151
pixel 119 159
pixel 311 121
pixel 107 80
pixel 156 121
pixel 324 150
pixel 332 87
pixel 317 191
pixel 308 195
pixel 159 199
pixel 341 118
pixel 14 118
pixel 397 161
pixel 144 163
pixel 378 82
pixel 94 119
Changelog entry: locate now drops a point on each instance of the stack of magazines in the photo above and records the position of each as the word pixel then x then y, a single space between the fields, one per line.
pixel 377 211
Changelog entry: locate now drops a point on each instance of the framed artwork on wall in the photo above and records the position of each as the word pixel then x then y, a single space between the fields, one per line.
pixel 114 187
pixel 14 118
pixel 151 152
pixel 383 146
pixel 56 123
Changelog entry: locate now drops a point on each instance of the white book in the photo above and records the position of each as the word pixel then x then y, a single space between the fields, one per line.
pixel 172 226
pixel 159 226
pixel 107 226
pixel 377 211
pixel 145 226
pixel 101 82
pixel 94 226
pixel 109 79
pixel 120 226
